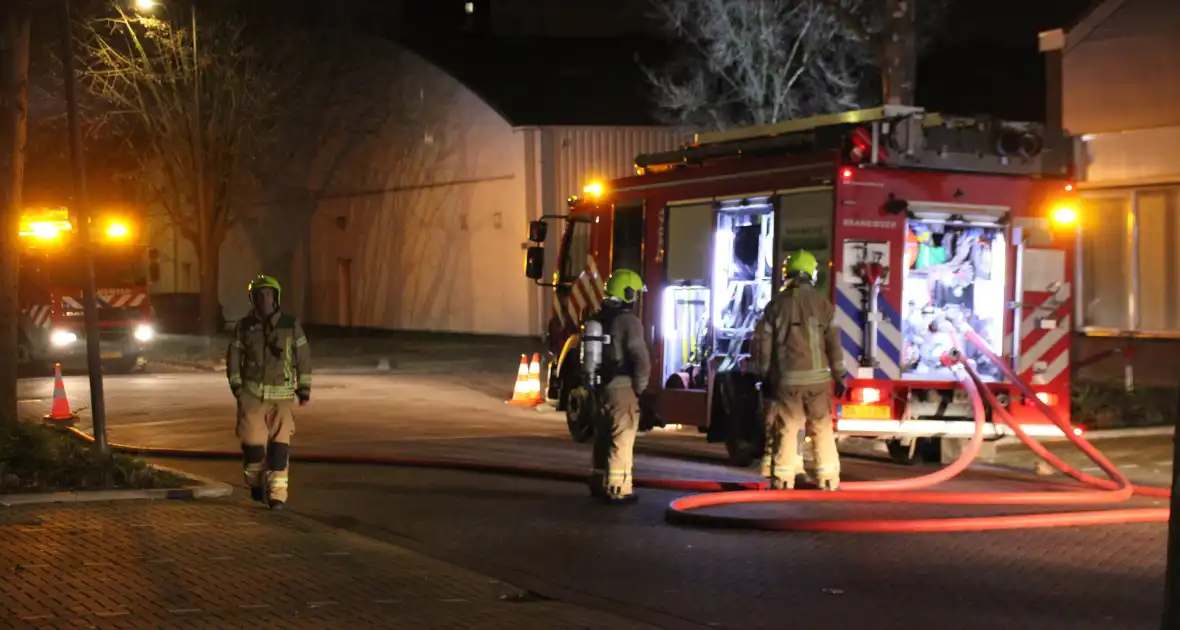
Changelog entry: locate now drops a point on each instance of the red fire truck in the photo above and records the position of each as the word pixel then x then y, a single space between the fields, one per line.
pixel 922 223
pixel 52 328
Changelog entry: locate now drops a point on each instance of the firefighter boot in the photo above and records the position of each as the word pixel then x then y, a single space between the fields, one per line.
pixel 278 458
pixel 622 406
pixel 253 456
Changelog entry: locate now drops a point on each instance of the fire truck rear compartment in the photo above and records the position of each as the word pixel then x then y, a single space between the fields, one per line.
pixel 708 321
pixel 953 275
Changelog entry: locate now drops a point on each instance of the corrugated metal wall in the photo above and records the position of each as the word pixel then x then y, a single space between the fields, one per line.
pixel 567 158
pixel 586 153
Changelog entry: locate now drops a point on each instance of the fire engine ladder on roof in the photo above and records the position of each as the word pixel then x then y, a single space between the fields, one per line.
pixel 892 134
pixel 787 127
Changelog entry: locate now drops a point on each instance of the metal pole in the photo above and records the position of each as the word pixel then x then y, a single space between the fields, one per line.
pixel 199 153
pixel 1134 313
pixel 1017 297
pixel 82 215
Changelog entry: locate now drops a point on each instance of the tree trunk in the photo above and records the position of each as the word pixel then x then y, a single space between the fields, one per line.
pixel 210 302
pixel 899 65
pixel 14 76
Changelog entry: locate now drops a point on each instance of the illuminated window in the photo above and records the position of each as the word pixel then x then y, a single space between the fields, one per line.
pixel 469 7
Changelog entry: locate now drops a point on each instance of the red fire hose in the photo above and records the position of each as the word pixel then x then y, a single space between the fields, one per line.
pixel 685 510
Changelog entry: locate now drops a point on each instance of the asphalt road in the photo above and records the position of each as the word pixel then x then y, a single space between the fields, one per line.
pixel 548 537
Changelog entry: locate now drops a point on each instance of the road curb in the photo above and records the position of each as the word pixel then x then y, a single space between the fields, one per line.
pixel 208 489
pixel 1032 474
pixel 185 365
pixel 1097 435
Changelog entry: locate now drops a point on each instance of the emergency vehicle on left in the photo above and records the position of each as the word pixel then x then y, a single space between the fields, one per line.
pixel 52 276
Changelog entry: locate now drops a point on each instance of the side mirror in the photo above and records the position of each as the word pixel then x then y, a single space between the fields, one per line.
pixel 534 264
pixel 154 271
pixel 538 230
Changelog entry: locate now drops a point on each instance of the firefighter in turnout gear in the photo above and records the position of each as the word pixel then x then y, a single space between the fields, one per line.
pixel 615 356
pixel 269 367
pixel 797 352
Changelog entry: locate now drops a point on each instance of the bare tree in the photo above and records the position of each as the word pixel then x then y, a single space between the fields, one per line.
pixel 762 61
pixel 756 62
pixel 145 70
pixel 14 80
pixel 892 32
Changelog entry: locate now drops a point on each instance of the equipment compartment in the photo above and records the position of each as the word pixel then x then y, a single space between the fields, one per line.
pixel 954 274
pixel 743 278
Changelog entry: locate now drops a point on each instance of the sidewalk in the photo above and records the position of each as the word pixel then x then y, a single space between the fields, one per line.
pixel 1144 459
pixel 226 564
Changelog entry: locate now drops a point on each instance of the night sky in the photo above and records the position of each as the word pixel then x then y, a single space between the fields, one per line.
pixel 984 61
pixel 987 62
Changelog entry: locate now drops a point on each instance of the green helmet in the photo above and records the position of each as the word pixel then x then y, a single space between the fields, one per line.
pixel 265 282
pixel 802 262
pixel 624 285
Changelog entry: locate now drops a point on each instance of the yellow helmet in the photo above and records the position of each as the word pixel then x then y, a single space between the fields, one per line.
pixel 624 285
pixel 802 262
pixel 265 282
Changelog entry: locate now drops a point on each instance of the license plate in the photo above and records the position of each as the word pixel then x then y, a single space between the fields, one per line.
pixel 112 354
pixel 866 412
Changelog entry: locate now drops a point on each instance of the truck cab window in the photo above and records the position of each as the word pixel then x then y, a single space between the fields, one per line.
pixel 627 238
pixel 576 250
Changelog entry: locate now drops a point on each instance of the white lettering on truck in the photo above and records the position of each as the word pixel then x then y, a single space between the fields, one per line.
pixel 870 223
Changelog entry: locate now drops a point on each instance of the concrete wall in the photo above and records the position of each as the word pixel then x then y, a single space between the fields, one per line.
pixel 425 232
pixel 1120 85
pixel 1122 68
pixel 420 224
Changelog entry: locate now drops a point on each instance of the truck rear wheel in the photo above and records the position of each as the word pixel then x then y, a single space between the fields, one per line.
pixel 579 414
pixel 736 415
pixel 921 450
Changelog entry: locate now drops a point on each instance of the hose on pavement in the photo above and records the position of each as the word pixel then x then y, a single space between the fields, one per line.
pixel 688 510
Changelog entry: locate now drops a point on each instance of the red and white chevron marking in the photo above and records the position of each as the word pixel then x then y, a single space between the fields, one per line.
pixel 1044 352
pixel 110 298
pixel 122 299
pixel 40 314
pixel 587 291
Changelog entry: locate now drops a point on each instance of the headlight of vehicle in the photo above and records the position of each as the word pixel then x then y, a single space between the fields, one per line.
pixel 144 332
pixel 62 338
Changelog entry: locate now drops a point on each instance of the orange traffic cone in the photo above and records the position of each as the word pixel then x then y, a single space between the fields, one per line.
pixel 535 379
pixel 520 392
pixel 59 413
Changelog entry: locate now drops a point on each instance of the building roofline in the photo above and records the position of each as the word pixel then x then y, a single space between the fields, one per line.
pixel 1095 17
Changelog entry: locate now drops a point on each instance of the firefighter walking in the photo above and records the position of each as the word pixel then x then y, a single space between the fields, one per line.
pixel 797 352
pixel 625 371
pixel 269 367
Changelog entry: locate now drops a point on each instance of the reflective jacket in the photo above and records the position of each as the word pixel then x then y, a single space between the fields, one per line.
pixel 270 358
pixel 797 342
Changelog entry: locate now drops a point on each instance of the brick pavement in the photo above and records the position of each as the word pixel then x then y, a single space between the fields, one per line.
pixel 225 564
